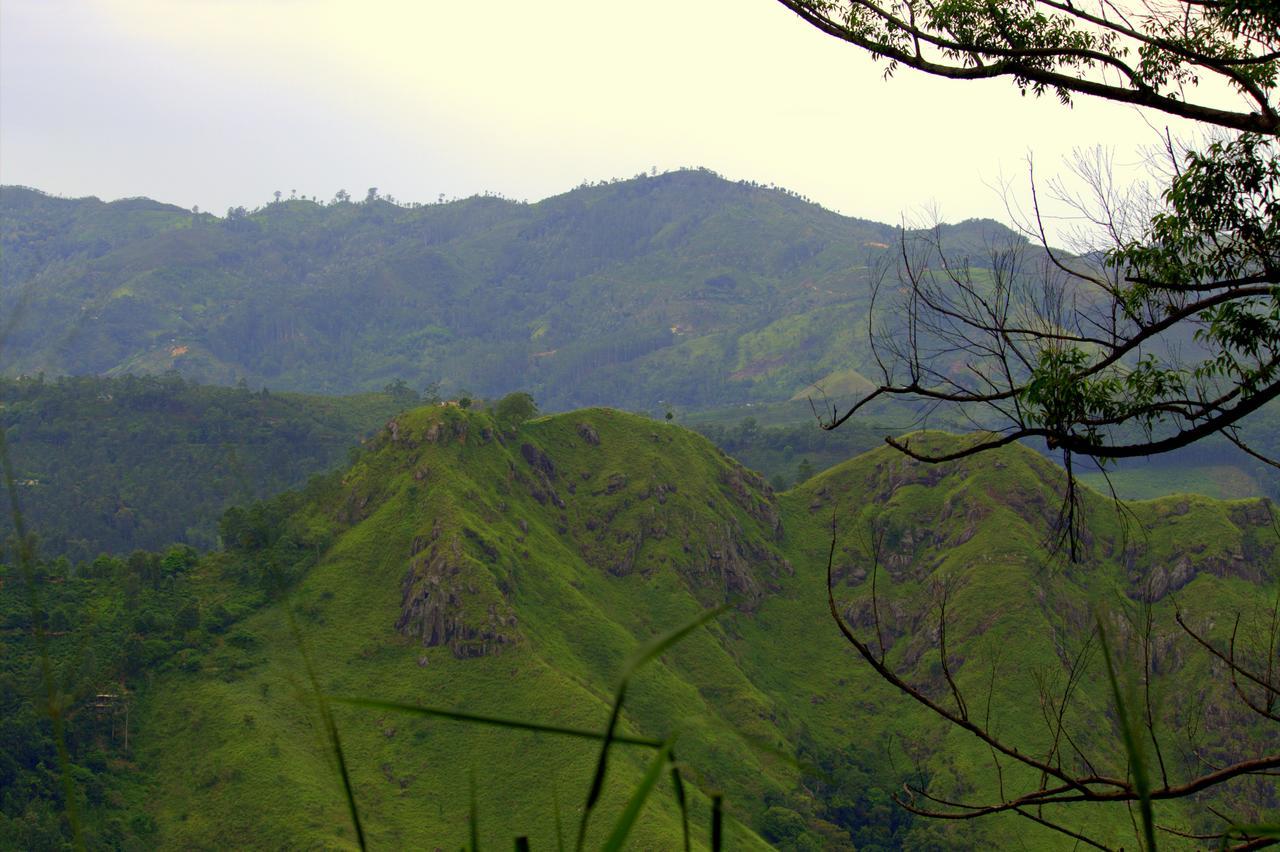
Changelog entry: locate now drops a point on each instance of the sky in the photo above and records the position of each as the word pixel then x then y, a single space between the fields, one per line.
pixel 219 103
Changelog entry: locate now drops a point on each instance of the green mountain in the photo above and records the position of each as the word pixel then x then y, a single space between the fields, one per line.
pixel 110 465
pixel 509 570
pixel 681 292
pixel 682 289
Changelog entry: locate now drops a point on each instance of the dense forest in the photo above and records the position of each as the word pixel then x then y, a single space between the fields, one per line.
pixel 91 637
pixel 112 465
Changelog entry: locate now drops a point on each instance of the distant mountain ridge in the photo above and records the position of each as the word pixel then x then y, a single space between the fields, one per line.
pixel 682 288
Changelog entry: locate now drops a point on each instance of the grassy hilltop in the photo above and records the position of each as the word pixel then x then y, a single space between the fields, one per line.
pixel 464 563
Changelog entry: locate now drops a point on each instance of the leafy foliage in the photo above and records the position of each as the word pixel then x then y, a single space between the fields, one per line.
pixel 1166 331
pixel 1152 55
pixel 110 465
pixel 112 624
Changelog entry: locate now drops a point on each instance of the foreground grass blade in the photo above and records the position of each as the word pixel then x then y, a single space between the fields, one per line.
pixel 677 784
pixel 475 815
pixel 437 713
pixel 627 820
pixel 555 803
pixel 331 729
pixel 1132 745
pixel 650 650
pixel 1269 831
pixel 717 822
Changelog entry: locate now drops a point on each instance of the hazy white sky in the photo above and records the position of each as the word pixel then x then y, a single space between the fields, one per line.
pixel 220 102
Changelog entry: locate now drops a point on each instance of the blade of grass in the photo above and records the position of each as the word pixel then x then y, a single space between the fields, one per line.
pixel 651 649
pixel 1268 831
pixel 435 712
pixel 326 717
pixel 677 784
pixel 717 822
pixel 474 821
pixel 627 820
pixel 1132 744
pixel 555 803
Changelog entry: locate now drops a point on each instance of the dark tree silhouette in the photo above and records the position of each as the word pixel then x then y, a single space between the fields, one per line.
pixel 1144 751
pixel 1164 333
pixel 1167 334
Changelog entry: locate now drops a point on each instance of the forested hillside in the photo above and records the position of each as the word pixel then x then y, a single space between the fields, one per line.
pixel 109 465
pixel 508 569
pixel 677 289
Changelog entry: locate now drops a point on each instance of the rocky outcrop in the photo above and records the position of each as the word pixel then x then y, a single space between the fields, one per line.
pixel 884 622
pixel 1150 581
pixel 541 488
pixel 354 508
pixel 749 490
pixel 446 602
pixel 539 461
pixel 588 433
pixel 734 564
pixel 1247 555
pixel 452 428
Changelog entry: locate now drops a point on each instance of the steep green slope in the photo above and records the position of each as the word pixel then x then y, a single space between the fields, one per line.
pixel 511 573
pixel 975 534
pixel 109 465
pixel 475 573
pixel 683 288
pixel 462 564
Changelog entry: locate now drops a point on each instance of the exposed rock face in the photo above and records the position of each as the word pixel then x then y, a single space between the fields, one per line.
pixel 354 509
pixel 1245 553
pixel 544 470
pixel 1150 582
pixel 1255 513
pixel 885 621
pixel 750 491
pixel 588 433
pixel 444 603
pixel 445 429
pixel 730 562
pixel 539 461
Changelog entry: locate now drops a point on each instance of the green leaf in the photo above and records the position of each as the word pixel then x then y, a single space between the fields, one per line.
pixel 627 819
pixel 649 651
pixel 514 724
pixel 331 729
pixel 1132 744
